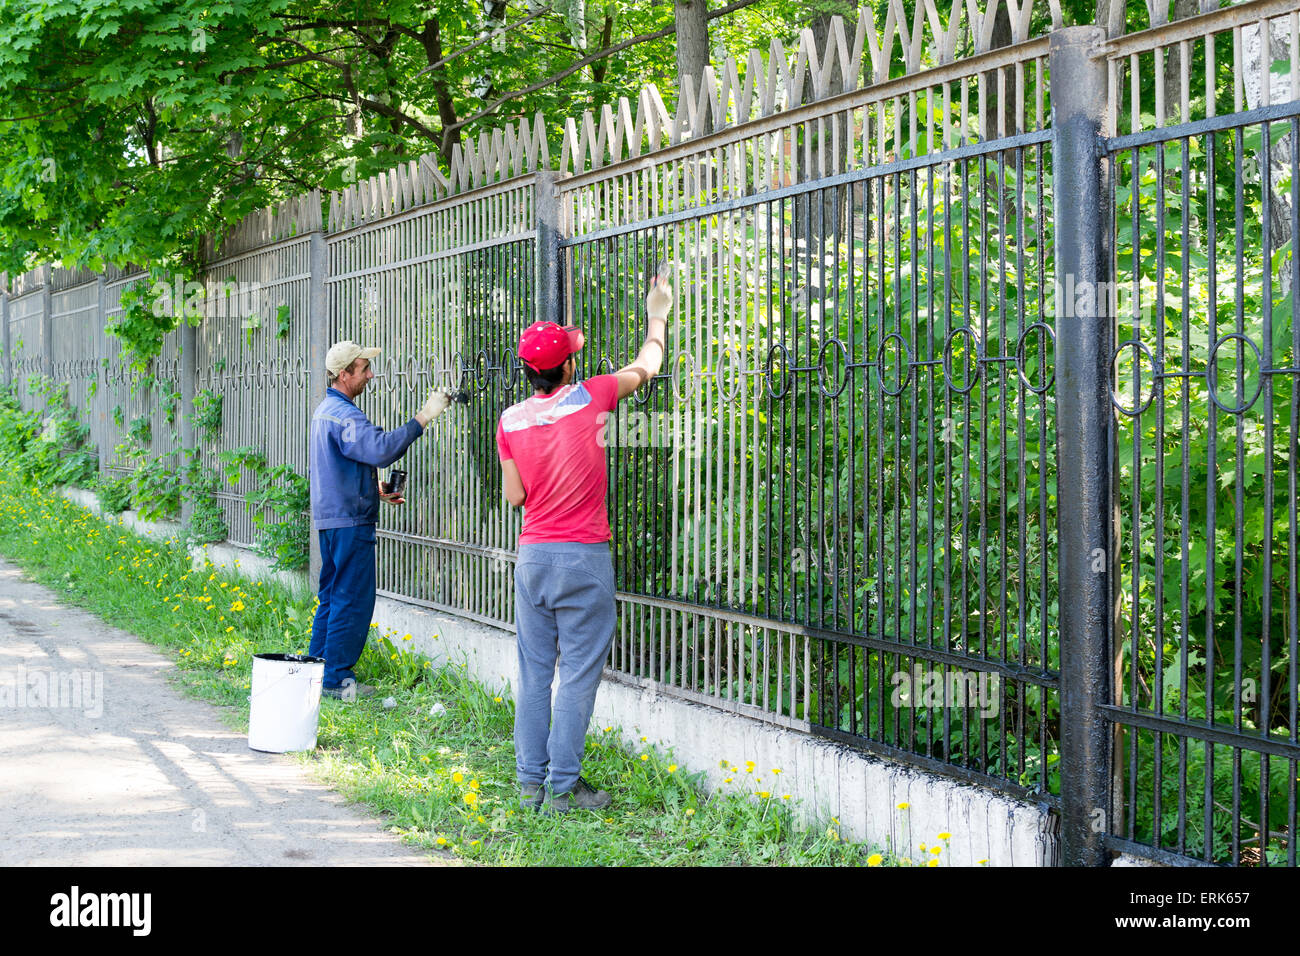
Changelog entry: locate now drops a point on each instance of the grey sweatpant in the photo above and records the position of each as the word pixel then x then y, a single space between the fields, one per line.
pixel 564 608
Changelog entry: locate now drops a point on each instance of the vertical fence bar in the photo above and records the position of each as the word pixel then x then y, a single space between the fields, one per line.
pixel 318 332
pixel 1087 517
pixel 550 284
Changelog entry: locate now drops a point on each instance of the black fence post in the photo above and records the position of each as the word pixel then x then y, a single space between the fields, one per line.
pixel 550 306
pixel 1085 337
pixel 318 343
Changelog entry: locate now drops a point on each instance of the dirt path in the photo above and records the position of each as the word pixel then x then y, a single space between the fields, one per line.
pixel 107 764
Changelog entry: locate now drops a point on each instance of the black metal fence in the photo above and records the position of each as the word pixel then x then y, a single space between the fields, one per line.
pixel 975 445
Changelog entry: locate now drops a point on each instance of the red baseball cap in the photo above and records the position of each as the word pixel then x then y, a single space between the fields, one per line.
pixel 545 345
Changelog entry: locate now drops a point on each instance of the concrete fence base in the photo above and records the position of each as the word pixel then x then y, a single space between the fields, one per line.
pixel 892 805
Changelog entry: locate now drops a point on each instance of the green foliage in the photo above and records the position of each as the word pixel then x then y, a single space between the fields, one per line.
pixel 141 430
pixel 235 460
pixel 279 503
pixel 114 492
pixel 282 321
pixel 207 522
pixel 156 488
pixel 287 536
pixel 169 397
pixel 45 450
pixel 144 321
pixel 207 415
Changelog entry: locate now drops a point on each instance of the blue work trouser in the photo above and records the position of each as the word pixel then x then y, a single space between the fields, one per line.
pixel 347 599
pixel 564 608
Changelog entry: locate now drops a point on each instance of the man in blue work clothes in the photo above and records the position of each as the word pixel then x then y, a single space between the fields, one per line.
pixel 345 493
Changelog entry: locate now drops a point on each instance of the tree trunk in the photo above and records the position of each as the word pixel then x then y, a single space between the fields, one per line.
pixel 691 19
pixel 1279 157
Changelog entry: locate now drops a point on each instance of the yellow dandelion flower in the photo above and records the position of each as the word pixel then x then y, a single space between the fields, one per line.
pixel 496 700
pixel 457 777
pixel 407 637
pixel 237 606
pixel 904 806
pixel 945 835
pixel 645 757
pixel 473 784
pixel 936 850
pixel 690 811
pixel 672 768
pixel 442 841
pixel 229 629
pixel 728 780
pixel 874 860
pixel 981 862
pixel 471 798
pixel 933 863
pixel 764 794
pixel 749 766
pixel 776 769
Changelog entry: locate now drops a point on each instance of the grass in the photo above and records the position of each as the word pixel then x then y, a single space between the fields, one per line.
pixel 439 765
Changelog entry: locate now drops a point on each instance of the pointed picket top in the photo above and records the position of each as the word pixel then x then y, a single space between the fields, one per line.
pixel 740 89
pixel 296 216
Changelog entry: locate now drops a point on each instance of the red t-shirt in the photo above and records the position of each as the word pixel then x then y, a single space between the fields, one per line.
pixel 557 443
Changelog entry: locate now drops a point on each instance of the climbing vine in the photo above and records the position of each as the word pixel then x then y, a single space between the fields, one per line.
pixel 283 492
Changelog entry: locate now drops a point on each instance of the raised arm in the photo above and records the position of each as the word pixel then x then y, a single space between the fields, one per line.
pixel 650 358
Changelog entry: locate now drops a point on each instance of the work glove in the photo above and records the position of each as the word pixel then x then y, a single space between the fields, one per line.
pixel 659 299
pixel 435 404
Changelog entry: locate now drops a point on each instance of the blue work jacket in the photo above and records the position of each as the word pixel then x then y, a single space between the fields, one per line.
pixel 345 451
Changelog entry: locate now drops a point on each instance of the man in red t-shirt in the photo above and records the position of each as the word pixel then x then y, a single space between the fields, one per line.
pixel 553 464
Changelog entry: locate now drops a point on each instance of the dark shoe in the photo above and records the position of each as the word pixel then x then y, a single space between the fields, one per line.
pixel 348 690
pixel 531 796
pixel 581 797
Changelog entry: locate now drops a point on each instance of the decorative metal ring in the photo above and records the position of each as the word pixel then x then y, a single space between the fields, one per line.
pixel 604 360
pixel 1210 376
pixel 1020 357
pixel 1141 349
pixel 678 377
pixel 482 370
pixel 947 360
pixel 511 371
pixel 413 370
pixel 907 365
pixel 729 395
pixel 786 377
pixel 264 374
pixel 302 372
pixel 642 394
pixel 456 371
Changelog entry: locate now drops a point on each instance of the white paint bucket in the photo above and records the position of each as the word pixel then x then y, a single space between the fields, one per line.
pixel 284 704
